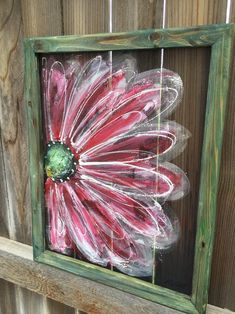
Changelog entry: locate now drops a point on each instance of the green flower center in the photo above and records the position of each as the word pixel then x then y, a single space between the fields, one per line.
pixel 60 163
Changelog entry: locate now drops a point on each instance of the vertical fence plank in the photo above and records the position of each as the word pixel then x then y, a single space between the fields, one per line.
pixel 181 13
pixel 177 266
pixel 136 14
pixel 13 145
pixel 222 283
pixel 42 18
pixel 193 67
pixel 222 292
pixel 139 14
pixel 12 122
pixel 85 16
pixel 7 297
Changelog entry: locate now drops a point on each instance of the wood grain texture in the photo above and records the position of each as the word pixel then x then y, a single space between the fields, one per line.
pixel 190 113
pixel 136 14
pixel 180 13
pixel 17 265
pixel 222 292
pixel 85 16
pixel 7 297
pixel 142 39
pixel 42 18
pixel 12 122
pixel 16 260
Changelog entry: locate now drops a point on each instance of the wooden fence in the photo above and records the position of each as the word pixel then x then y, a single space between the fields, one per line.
pixel 25 18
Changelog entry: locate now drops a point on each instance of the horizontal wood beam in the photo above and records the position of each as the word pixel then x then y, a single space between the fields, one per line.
pixel 17 266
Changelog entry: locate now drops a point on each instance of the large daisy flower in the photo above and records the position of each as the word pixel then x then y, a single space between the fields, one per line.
pixel 107 152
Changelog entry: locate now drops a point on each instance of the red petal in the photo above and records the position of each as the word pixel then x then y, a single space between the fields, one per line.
pixel 120 125
pixel 174 174
pixel 81 225
pixel 137 145
pixel 140 215
pixel 58 236
pixel 129 179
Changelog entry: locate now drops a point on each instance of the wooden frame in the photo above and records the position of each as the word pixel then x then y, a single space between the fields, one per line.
pixel 17 263
pixel 219 38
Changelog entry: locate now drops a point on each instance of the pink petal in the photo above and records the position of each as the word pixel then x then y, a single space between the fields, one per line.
pixel 143 225
pixel 94 95
pixel 147 141
pixel 80 224
pixel 174 174
pixel 141 214
pixel 177 177
pixel 129 179
pixel 110 230
pixel 58 236
pixel 120 125
pixel 150 99
pixel 54 95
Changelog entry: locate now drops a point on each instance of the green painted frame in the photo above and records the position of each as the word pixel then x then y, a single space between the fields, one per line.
pixel 220 39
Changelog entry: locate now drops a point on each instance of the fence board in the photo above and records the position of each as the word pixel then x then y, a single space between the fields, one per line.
pixel 136 14
pixel 194 12
pixel 222 292
pixel 10 37
pixel 85 16
pixel 7 297
pixel 12 121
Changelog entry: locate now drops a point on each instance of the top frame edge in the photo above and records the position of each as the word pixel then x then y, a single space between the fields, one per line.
pixel 197 36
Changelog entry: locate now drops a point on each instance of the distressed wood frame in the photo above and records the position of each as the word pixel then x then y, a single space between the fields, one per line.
pixel 219 38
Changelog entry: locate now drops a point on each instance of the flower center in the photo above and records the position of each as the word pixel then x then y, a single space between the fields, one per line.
pixel 60 163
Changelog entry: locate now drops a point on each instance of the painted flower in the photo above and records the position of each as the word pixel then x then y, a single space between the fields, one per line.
pixel 108 146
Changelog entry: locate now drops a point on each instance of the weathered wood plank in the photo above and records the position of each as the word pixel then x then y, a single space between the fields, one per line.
pixel 222 292
pixel 205 12
pixel 14 152
pixel 143 39
pixel 85 16
pixel 16 260
pixel 210 165
pixel 185 13
pixel 176 267
pixel 12 121
pixel 42 18
pixel 17 264
pixel 7 297
pixel 136 14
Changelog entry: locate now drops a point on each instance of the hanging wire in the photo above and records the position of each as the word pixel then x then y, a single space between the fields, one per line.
pixel 110 31
pixel 158 127
pixel 110 80
pixel 228 11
